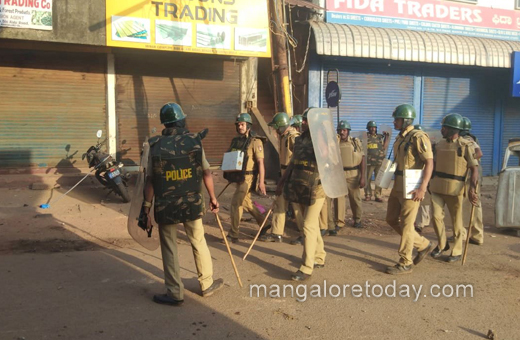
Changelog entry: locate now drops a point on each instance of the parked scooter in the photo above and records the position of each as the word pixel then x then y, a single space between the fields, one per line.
pixel 109 172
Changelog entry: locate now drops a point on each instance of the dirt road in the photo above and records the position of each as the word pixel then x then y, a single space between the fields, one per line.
pixel 73 272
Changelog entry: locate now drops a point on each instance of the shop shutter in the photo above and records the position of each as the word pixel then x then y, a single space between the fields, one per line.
pixel 511 128
pixel 207 88
pixel 52 105
pixel 369 92
pixel 468 93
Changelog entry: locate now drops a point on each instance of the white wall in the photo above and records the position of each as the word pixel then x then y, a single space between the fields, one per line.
pixel 504 4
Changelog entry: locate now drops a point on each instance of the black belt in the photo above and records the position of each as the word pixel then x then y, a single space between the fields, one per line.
pixel 346 168
pixel 283 166
pixel 248 173
pixel 399 172
pixel 304 167
pixel 449 176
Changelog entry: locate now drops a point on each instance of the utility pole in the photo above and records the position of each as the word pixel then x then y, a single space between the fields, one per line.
pixel 279 58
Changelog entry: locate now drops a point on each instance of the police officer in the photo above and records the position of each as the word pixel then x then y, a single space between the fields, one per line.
pixel 287 135
pixel 412 150
pixel 477 231
pixel 296 122
pixel 454 155
pixel 423 215
pixel 353 159
pixel 248 142
pixel 301 184
pixel 377 145
pixel 179 167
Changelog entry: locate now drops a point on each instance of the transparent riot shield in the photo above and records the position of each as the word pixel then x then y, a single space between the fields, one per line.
pixel 326 149
pixel 435 135
pixel 362 136
pixel 386 130
pixel 138 234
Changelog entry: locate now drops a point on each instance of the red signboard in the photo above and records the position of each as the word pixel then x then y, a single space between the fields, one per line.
pixel 430 10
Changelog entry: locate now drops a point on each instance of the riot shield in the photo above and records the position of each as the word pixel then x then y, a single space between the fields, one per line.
pixel 388 129
pixel 362 136
pixel 326 149
pixel 435 135
pixel 138 234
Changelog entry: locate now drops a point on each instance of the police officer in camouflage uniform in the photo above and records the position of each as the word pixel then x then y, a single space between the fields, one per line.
pixel 248 142
pixel 477 232
pixel 288 136
pixel 377 144
pixel 412 150
pixel 179 167
pixel 454 156
pixel 353 159
pixel 301 184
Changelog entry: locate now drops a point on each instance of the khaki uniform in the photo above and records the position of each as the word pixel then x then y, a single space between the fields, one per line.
pixel 375 156
pixel 452 160
pixel 287 141
pixel 170 258
pixel 304 186
pixel 242 197
pixel 477 232
pixel 411 150
pixel 352 155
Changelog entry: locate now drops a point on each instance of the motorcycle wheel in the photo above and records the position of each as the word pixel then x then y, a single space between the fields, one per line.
pixel 122 191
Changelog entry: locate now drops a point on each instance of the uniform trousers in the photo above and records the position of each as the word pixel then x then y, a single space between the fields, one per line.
pixel 400 215
pixel 454 204
pixel 313 247
pixel 372 169
pixel 170 257
pixel 279 212
pixel 242 200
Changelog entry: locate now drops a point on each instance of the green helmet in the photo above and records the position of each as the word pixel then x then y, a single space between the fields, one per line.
pixel 418 127
pixel 281 119
pixel 171 113
pixel 405 111
pixel 467 124
pixel 244 117
pixel 343 124
pixel 296 120
pixel 453 120
pixel 371 124
pixel 304 115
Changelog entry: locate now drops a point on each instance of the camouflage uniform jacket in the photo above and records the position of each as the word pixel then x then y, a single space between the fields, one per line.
pixel 375 150
pixel 177 172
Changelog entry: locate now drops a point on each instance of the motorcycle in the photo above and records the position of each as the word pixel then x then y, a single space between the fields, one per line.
pixel 109 172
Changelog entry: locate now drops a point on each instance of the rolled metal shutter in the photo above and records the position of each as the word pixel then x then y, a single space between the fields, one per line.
pixel 467 93
pixel 207 88
pixel 52 105
pixel 511 128
pixel 369 92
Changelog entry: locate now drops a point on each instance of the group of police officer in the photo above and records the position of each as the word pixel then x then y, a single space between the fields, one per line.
pixel 179 199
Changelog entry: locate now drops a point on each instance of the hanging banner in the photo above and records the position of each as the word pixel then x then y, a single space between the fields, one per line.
pixel 225 27
pixel 428 15
pixel 34 14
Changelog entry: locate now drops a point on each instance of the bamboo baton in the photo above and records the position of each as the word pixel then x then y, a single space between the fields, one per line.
pixel 229 250
pixel 469 234
pixel 223 190
pixel 259 230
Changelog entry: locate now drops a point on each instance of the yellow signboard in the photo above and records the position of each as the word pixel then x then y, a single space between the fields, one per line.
pixel 226 27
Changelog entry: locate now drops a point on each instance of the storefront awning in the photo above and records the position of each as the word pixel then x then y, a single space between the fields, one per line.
pixel 302 3
pixel 407 45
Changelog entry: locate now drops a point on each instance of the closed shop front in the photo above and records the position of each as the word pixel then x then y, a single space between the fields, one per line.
pixel 382 68
pixel 207 88
pixel 52 105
